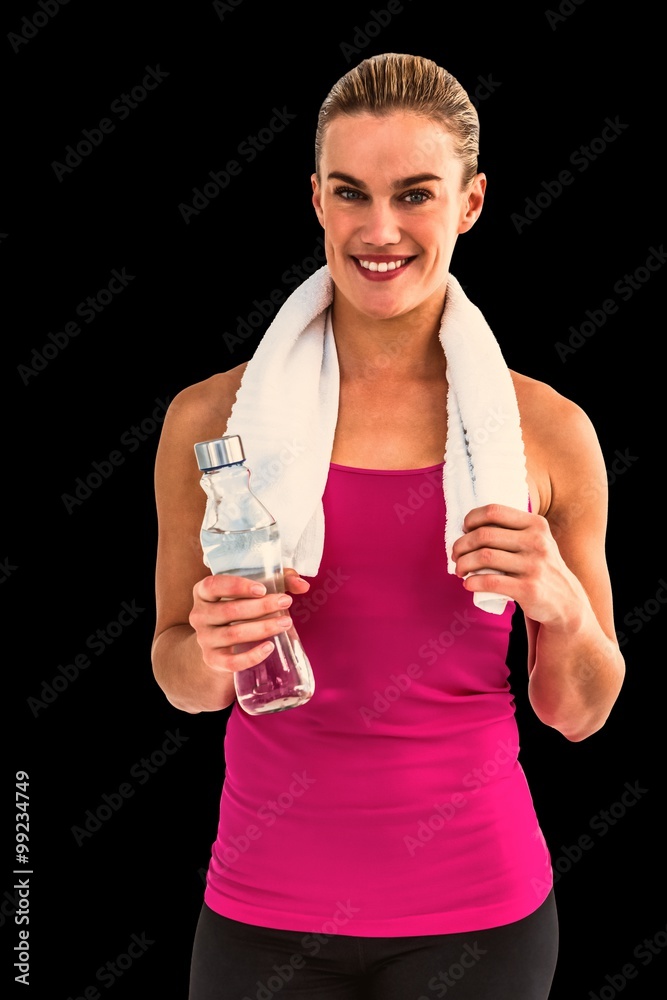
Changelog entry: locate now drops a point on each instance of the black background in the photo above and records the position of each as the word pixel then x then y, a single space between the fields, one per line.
pixel 545 83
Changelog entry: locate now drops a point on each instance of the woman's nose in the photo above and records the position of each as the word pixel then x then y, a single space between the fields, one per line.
pixel 380 226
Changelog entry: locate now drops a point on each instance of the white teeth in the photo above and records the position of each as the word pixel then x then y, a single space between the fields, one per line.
pixel 383 266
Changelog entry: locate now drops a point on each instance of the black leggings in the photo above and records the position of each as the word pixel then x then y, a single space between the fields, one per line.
pixel 238 961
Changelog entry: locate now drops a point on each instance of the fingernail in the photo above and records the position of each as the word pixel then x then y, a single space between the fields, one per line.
pixel 258 588
pixel 285 601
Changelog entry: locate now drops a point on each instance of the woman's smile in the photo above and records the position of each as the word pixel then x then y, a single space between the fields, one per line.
pixel 378 267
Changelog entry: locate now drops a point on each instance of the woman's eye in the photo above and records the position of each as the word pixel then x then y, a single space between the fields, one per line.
pixel 348 194
pixel 417 197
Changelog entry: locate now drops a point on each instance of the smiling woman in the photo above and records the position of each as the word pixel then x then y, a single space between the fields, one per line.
pixel 412 858
pixel 377 204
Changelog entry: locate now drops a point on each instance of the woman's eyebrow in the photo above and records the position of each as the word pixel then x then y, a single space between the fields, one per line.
pixel 403 182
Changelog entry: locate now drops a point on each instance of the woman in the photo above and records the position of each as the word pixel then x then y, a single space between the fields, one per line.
pixel 371 846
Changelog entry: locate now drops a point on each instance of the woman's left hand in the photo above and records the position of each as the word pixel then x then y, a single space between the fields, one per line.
pixel 521 560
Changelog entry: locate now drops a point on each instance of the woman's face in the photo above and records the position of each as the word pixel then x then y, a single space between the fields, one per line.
pixel 390 201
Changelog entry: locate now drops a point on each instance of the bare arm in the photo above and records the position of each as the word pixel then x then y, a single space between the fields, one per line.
pixel 575 665
pixel 191 655
pixel 556 570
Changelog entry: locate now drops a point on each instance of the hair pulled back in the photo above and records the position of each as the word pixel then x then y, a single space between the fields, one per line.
pixel 391 82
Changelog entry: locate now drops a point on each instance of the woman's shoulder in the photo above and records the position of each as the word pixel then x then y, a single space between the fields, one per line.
pixel 210 401
pixel 561 444
pixel 547 412
pixel 199 412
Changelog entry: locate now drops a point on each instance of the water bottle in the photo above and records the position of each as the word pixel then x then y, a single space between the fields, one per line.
pixel 239 536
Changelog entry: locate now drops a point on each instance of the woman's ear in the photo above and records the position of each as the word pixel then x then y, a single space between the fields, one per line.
pixel 472 203
pixel 317 198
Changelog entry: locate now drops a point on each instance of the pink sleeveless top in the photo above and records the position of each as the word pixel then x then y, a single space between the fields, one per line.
pixel 392 803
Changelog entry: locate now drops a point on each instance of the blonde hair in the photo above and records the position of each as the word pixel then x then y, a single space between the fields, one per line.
pixel 393 82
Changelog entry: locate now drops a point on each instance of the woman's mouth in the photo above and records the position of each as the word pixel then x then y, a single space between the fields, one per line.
pixel 380 269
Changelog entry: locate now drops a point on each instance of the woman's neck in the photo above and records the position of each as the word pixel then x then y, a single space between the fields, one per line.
pixel 400 347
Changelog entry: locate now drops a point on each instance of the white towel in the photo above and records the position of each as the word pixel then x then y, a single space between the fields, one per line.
pixel 286 410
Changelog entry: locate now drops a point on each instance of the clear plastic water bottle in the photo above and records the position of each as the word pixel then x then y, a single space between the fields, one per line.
pixel 240 537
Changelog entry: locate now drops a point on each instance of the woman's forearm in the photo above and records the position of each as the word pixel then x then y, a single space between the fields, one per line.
pixel 186 681
pixel 576 678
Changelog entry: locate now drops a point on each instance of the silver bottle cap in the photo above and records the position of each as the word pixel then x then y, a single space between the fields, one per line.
pixel 219 451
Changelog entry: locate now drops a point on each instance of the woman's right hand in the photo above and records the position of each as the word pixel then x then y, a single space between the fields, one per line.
pixel 234 624
pixel 199 623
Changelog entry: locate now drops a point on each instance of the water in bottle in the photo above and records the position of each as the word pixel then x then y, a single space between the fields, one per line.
pixel 240 537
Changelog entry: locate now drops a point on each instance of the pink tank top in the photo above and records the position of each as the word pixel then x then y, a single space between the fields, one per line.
pixel 392 803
